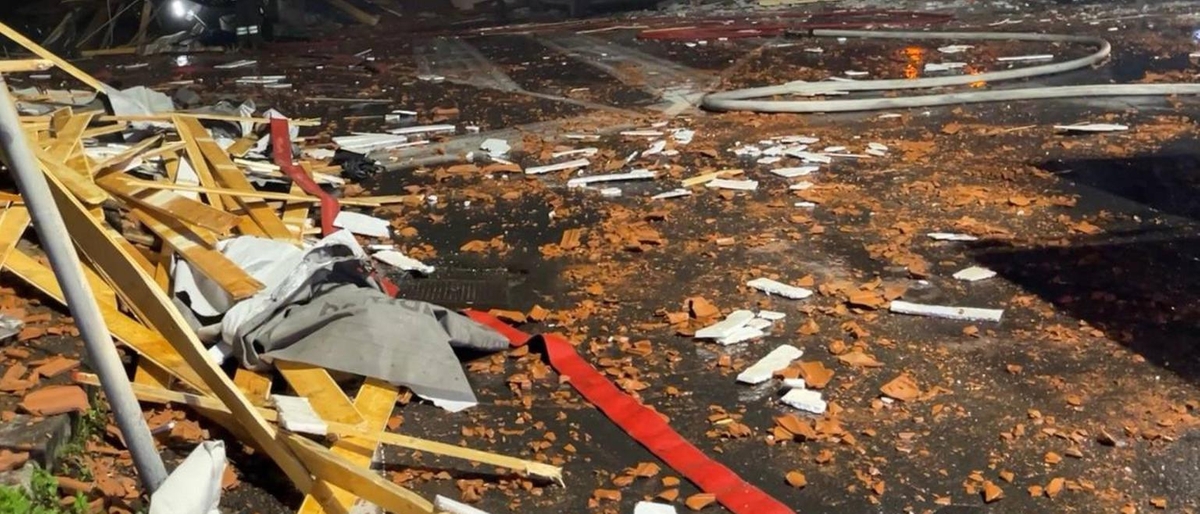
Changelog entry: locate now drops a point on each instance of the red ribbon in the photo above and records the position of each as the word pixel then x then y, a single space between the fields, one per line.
pixel 281 142
pixel 644 425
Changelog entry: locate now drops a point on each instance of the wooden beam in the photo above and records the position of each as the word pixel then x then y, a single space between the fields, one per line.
pixel 151 374
pixel 205 116
pixel 169 148
pixel 222 172
pixel 105 130
pixel 362 481
pixel 120 50
pixel 77 182
pixel 255 385
pixel 13 222
pixel 196 249
pixel 375 401
pixel 325 395
pixel 359 201
pixel 68 140
pixel 228 175
pixel 23 65
pixel 353 435
pixel 137 286
pixel 295 214
pixel 71 70
pixel 170 204
pixel 147 343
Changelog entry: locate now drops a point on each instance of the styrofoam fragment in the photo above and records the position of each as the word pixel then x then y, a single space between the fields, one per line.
pixel 810 156
pixel 423 129
pixel 814 50
pixel 770 160
pixel 444 504
pixel 363 224
pixel 642 133
pixel 638 174
pixel 297 415
pixel 877 146
pixel 610 192
pixel 794 383
pixel 805 140
pixel 683 136
pixel 735 320
pixel 404 262
pixel 586 152
pixel 801 186
pixel 741 335
pixel 759 324
pixel 805 205
pixel 1092 127
pixel 739 185
pixel 833 149
pixel 889 115
pixel 762 370
pixel 942 311
pixel 653 508
pixel 1020 58
pixel 798 171
pixel 772 315
pixel 955 49
pixel 495 147
pixel 974 274
pixel 773 287
pixel 235 64
pixel 655 148
pixel 946 236
pixel 876 153
pixel 774 150
pixel 805 400
pixel 537 170
pixel 856 73
pixel 944 66
pixel 674 193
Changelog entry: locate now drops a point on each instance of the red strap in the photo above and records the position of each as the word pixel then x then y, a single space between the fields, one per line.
pixel 645 425
pixel 281 141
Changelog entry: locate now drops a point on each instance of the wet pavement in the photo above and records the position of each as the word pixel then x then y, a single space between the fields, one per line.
pixel 1091 377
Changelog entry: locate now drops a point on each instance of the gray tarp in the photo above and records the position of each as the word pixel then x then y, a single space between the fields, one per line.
pixel 320 308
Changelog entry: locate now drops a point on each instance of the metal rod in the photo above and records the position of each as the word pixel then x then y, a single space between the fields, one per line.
pixel 56 241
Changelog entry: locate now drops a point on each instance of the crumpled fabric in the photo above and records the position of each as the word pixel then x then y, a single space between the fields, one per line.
pixel 321 307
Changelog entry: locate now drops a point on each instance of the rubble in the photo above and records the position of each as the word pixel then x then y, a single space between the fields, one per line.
pixel 766 367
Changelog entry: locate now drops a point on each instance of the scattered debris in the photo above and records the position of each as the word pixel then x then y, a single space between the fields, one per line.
pixel 737 185
pixel 1092 127
pixel 806 400
pixel 538 170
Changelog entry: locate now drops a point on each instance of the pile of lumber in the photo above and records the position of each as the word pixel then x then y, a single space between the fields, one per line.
pixel 131 275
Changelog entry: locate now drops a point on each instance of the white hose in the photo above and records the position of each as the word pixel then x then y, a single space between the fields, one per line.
pixel 741 99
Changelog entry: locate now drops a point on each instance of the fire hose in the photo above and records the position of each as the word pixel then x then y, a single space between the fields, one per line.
pixel 750 99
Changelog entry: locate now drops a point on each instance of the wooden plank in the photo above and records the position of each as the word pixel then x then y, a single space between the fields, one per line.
pixel 196 249
pixel 326 396
pixel 151 374
pixel 120 160
pixel 145 342
pixel 200 165
pixel 355 436
pixel 79 184
pixel 100 288
pixel 255 385
pixel 71 70
pixel 105 130
pixel 242 146
pixel 120 50
pixel 295 214
pixel 207 116
pixel 13 223
pixel 169 148
pixel 170 204
pixel 228 175
pixel 138 287
pixel 375 401
pixel 23 65
pixel 162 269
pixel 68 141
pixel 360 201
pixel 364 482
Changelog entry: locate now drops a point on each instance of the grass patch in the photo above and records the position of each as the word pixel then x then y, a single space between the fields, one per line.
pixel 41 498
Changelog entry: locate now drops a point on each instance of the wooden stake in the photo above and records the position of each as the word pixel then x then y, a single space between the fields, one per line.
pixel 25 65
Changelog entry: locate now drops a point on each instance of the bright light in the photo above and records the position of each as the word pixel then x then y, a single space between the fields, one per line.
pixel 178 9
pixel 181 60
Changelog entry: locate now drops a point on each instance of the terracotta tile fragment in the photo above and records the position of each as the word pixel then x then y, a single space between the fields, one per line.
pixel 700 501
pixel 52 400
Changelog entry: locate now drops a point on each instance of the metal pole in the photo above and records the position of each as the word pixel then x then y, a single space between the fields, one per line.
pixel 55 240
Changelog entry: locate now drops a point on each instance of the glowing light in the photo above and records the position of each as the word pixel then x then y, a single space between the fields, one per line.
pixel 182 60
pixel 178 9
